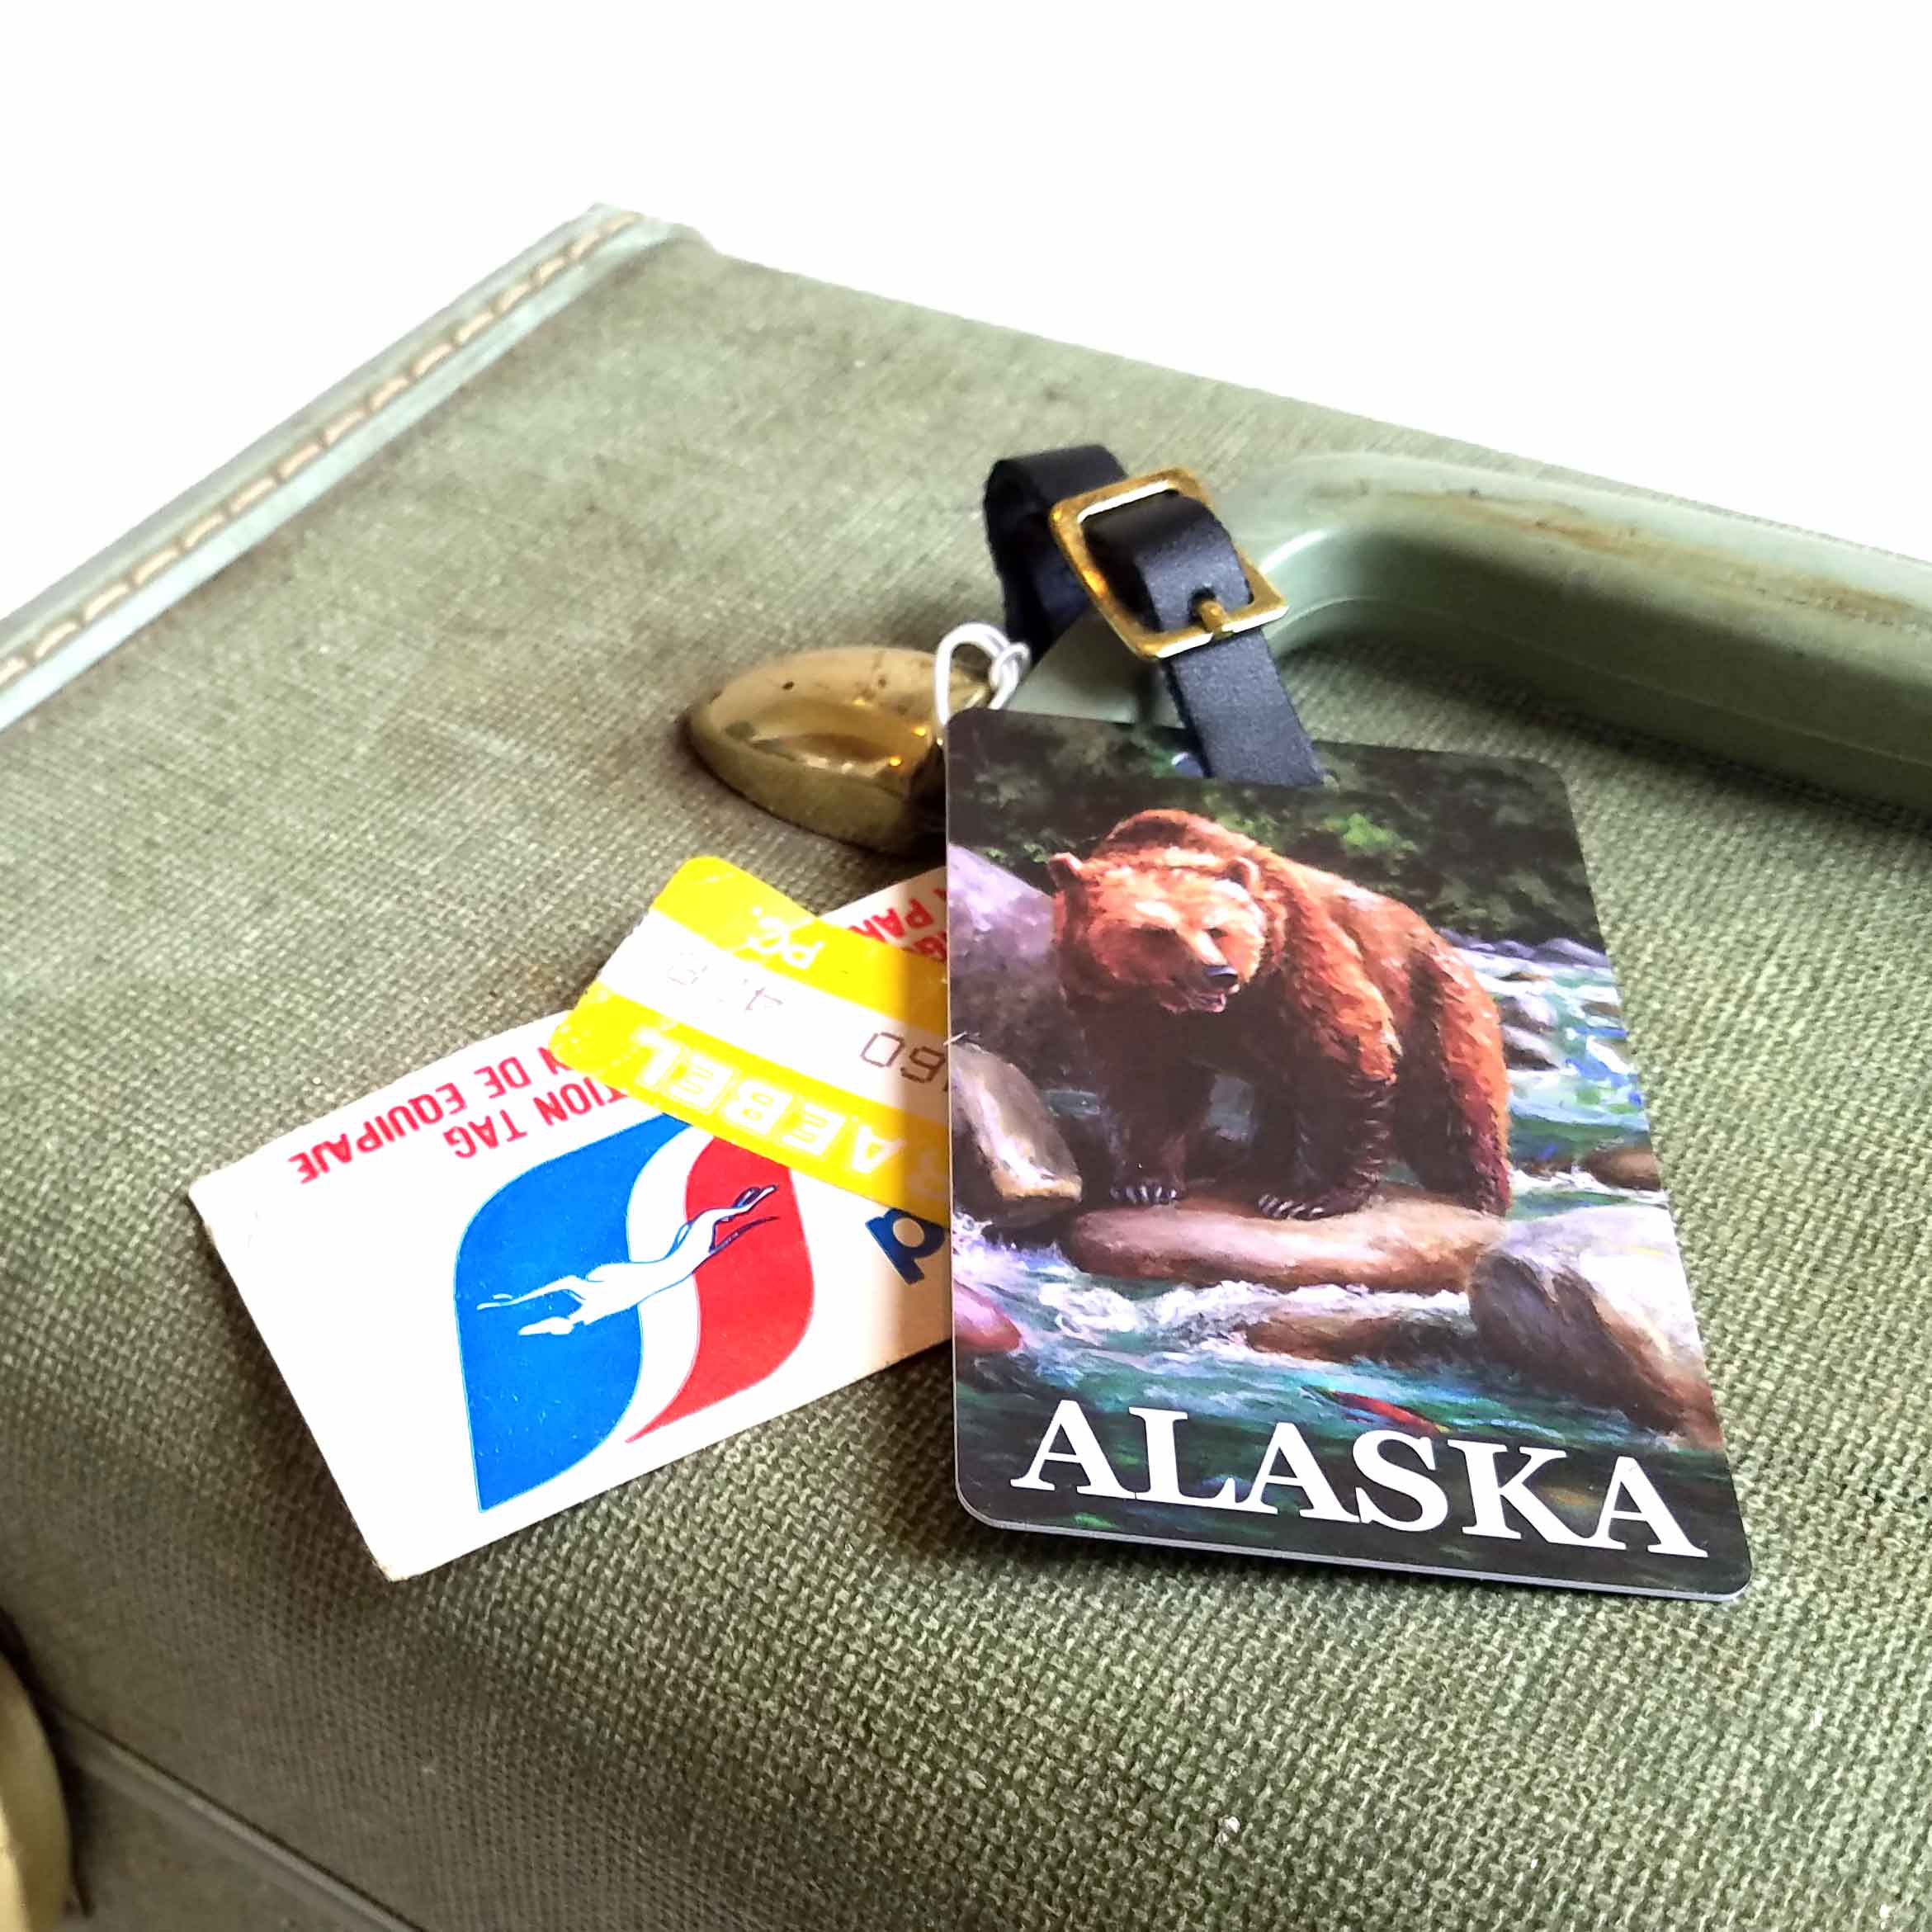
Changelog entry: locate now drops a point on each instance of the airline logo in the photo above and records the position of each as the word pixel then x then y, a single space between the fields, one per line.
pixel 498 1287
pixel 639 1279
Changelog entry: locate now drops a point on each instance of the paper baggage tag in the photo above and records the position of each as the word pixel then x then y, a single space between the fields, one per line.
pixel 734 1008
pixel 1305 1204
pixel 499 1287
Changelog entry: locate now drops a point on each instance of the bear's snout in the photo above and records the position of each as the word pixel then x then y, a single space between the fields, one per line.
pixel 1221 978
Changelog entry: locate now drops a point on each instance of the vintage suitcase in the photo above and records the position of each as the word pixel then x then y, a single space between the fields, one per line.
pixel 368 748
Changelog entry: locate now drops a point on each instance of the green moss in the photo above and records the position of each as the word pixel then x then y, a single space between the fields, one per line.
pixel 1484 846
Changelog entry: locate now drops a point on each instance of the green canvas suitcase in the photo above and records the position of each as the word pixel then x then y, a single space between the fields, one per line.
pixel 368 748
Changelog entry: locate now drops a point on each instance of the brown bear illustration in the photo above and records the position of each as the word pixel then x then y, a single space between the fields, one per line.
pixel 1185 948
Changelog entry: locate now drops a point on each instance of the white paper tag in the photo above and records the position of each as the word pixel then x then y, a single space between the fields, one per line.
pixel 498 1287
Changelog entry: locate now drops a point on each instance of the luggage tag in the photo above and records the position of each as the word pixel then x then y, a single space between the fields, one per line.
pixel 500 1287
pixel 1304 1201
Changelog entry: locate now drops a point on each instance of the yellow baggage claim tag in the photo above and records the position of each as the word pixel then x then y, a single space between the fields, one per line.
pixel 732 1007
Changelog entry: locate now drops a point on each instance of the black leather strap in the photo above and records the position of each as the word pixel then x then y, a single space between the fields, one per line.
pixel 1043 596
pixel 1162 555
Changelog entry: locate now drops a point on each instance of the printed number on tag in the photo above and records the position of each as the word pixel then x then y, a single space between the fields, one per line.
pixel 740 1011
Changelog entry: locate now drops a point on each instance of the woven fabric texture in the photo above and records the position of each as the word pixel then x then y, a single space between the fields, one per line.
pixel 145 1874
pixel 402 775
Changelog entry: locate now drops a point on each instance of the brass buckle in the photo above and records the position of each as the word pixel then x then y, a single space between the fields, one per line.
pixel 1212 623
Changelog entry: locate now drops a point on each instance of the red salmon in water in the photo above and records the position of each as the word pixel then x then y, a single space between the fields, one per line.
pixel 1392 1413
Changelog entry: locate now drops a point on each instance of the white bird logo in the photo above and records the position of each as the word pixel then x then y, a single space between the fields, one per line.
pixel 618 1285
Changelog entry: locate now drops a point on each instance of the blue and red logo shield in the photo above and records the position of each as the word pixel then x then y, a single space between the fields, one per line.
pixel 626 1284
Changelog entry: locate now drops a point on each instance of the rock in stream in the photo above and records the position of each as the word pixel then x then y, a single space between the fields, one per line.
pixel 1011 1165
pixel 1403 1243
pixel 1593 1303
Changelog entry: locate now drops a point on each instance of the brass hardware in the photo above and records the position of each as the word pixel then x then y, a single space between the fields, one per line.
pixel 1067 521
pixel 1213 618
pixel 841 741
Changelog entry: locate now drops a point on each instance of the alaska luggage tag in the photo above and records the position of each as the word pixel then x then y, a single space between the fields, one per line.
pixel 1303 1198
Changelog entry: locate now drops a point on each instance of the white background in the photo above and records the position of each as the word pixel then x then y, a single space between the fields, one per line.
pixel 1683 246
